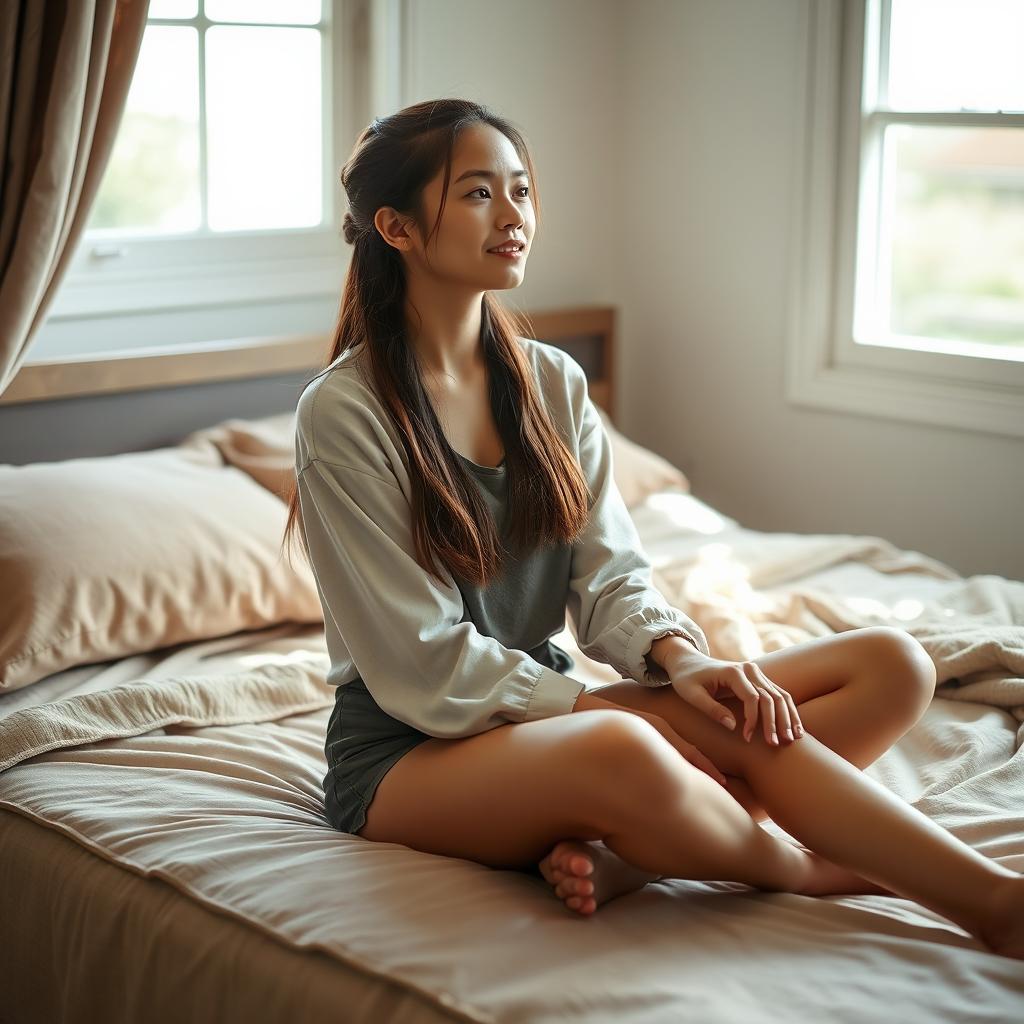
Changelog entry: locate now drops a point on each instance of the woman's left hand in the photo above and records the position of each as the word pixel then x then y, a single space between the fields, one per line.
pixel 699 680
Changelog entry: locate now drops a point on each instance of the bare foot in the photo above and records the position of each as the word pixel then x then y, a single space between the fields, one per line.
pixel 586 874
pixel 1003 930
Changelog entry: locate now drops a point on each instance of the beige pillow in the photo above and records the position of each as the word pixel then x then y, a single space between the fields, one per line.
pixel 265 449
pixel 101 558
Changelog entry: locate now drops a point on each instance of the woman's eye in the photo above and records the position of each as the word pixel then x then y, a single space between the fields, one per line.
pixel 522 188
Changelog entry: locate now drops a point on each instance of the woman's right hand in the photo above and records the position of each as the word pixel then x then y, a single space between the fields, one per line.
pixel 588 702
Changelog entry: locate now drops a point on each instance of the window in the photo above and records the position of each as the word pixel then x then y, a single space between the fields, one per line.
pixel 235 148
pixel 908 297
pixel 222 184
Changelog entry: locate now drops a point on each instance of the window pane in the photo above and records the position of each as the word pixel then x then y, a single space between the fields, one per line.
pixel 957 54
pixel 173 8
pixel 277 12
pixel 957 201
pixel 264 127
pixel 152 180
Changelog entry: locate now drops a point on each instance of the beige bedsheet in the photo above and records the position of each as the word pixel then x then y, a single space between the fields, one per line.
pixel 163 846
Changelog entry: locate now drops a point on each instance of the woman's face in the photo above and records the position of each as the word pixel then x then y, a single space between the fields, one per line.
pixel 480 212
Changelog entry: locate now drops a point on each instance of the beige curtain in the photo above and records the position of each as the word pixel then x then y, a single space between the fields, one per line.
pixel 65 70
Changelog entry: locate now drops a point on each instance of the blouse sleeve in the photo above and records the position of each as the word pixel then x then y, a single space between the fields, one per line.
pixel 422 663
pixel 617 611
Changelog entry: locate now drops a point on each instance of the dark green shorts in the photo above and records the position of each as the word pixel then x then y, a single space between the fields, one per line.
pixel 363 742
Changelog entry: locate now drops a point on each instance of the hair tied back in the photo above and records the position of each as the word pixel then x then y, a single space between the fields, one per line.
pixel 350 228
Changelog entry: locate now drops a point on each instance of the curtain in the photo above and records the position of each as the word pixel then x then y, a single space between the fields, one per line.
pixel 65 70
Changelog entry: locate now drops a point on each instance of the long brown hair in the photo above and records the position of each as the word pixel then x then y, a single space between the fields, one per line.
pixel 393 159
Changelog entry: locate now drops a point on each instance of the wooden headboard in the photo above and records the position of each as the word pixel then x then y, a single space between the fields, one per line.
pixel 587 333
pixel 103 405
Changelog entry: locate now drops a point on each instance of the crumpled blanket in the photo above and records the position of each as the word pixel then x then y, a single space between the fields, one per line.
pixel 751 594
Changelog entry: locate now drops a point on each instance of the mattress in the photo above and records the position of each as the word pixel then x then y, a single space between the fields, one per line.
pixel 164 853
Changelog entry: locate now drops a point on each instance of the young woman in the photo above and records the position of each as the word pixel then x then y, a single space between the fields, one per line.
pixel 454 495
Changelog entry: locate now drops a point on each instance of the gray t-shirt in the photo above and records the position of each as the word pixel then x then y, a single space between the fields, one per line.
pixel 520 605
pixel 450 659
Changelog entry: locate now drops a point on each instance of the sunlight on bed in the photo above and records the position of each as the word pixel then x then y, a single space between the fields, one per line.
pixel 718 578
pixel 686 512
pixel 274 658
pixel 908 608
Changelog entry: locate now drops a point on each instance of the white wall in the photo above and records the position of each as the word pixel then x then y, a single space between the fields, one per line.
pixel 710 95
pixel 662 132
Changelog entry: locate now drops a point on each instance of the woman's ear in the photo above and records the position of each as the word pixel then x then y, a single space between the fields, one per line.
pixel 394 228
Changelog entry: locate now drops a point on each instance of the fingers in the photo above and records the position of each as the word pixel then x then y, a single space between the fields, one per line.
pixel 741 688
pixel 703 701
pixel 751 698
pixel 767 707
pixel 763 701
pixel 777 707
pixel 788 708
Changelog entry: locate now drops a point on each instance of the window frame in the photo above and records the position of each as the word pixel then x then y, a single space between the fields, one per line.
pixel 222 269
pixel 836 206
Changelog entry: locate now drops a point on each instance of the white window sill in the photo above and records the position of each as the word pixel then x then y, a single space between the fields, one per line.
pixel 159 290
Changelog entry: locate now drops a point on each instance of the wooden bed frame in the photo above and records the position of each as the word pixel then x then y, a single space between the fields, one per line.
pixel 152 398
pixel 586 332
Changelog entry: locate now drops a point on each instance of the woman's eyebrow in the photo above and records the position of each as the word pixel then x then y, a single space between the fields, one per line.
pixel 489 174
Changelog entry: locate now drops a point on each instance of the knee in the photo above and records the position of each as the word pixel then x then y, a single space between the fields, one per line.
pixel 631 751
pixel 905 669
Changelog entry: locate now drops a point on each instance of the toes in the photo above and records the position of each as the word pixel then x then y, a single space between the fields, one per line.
pixel 574 887
pixel 567 857
pixel 581 865
pixel 562 858
pixel 583 905
pixel 576 864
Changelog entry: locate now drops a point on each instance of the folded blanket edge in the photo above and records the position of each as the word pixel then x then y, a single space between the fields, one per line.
pixel 138 706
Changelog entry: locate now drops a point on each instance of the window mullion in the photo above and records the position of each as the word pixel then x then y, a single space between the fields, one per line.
pixel 868 255
pixel 204 227
pixel 328 25
pixel 882 27
pixel 955 118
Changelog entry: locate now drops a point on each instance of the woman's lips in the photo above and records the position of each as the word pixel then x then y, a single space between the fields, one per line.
pixel 512 255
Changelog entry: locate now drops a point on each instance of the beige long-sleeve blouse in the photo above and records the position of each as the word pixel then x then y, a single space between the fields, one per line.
pixel 453 660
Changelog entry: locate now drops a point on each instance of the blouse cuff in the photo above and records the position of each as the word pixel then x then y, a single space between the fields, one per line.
pixel 641 630
pixel 553 694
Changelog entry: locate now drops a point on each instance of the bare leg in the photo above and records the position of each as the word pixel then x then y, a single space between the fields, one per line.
pixel 823 800
pixel 826 803
pixel 844 688
pixel 687 826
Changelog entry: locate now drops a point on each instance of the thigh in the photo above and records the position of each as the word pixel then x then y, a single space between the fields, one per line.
pixel 504 797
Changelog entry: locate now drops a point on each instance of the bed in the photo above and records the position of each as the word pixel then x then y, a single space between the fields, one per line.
pixel 164 853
